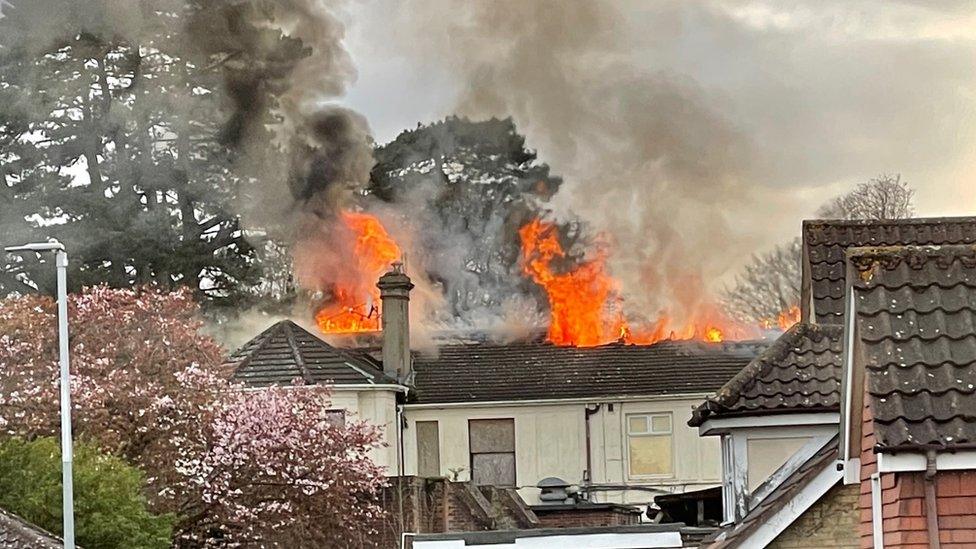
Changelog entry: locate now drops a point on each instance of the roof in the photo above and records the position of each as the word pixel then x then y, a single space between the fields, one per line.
pixel 286 352
pixel 738 534
pixel 825 243
pixel 916 333
pixel 527 371
pixel 799 372
pixel 17 533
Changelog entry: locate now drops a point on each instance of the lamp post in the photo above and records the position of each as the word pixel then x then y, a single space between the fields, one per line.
pixel 61 261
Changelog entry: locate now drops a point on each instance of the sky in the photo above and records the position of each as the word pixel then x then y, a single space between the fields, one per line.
pixel 816 95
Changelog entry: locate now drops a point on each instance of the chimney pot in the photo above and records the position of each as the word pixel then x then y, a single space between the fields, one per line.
pixel 395 289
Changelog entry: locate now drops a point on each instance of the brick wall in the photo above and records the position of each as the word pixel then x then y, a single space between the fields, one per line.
pixel 830 522
pixel 903 503
pixel 576 517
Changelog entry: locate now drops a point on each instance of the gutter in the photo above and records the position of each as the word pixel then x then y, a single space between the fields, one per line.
pixel 341 387
pixel 553 401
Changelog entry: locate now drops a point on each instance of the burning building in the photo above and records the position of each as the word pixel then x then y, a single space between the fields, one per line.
pixel 608 417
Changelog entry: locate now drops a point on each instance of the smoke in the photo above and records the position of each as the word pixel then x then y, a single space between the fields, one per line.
pixel 648 158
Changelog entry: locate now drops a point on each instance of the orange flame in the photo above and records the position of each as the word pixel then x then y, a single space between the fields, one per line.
pixel 374 251
pixel 788 318
pixel 584 303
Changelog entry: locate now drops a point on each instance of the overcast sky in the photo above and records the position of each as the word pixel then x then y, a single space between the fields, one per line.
pixel 821 94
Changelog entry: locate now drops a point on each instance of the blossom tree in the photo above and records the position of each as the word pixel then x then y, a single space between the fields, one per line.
pixel 238 467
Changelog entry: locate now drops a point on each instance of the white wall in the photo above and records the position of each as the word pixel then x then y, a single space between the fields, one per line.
pixel 376 407
pixel 550 442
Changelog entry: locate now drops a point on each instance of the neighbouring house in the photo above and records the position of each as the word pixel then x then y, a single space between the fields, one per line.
pixel 886 329
pixel 286 352
pixel 908 411
pixel 17 533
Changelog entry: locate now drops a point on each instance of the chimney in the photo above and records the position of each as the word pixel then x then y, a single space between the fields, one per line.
pixel 395 289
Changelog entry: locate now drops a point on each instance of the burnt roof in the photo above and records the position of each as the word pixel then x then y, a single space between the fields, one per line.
pixel 825 242
pixel 737 534
pixel 799 372
pixel 916 333
pixel 286 352
pixel 531 370
pixel 17 533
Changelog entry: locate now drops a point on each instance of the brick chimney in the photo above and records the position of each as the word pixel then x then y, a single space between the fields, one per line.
pixel 395 289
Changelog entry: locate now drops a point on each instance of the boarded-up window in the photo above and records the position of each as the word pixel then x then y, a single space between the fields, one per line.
pixel 336 418
pixel 428 449
pixel 649 444
pixel 492 451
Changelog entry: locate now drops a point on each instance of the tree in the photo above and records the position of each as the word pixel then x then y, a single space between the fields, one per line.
pixel 232 465
pixel 767 291
pixel 467 187
pixel 110 508
pixel 124 141
pixel 884 197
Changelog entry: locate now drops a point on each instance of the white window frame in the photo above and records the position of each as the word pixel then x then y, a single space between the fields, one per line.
pixel 650 432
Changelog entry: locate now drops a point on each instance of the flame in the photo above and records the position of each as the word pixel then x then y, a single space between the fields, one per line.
pixel 584 303
pixel 355 304
pixel 788 318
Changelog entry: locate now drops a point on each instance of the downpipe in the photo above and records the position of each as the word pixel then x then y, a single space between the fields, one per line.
pixel 931 507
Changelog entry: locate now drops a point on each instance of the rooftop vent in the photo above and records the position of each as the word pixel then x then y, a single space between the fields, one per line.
pixel 557 490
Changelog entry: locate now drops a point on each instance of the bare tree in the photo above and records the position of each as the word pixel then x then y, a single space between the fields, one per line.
pixel 884 197
pixel 767 292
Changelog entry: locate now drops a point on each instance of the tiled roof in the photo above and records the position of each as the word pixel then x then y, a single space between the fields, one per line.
pixel 826 241
pixel 525 371
pixel 916 329
pixel 17 533
pixel 737 534
pixel 800 371
pixel 286 352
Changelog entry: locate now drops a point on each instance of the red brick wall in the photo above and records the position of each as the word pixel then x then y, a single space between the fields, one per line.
pixel 572 518
pixel 903 503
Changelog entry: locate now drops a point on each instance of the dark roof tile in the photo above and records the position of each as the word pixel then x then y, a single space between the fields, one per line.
pixel 524 371
pixel 827 240
pixel 916 328
pixel 800 371
pixel 286 352
pixel 17 533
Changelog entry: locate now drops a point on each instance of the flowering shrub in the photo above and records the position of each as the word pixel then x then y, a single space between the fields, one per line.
pixel 238 467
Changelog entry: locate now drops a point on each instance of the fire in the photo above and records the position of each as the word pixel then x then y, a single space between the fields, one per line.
pixel 584 303
pixel 788 318
pixel 354 304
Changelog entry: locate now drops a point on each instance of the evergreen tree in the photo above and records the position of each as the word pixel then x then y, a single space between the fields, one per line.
pixel 468 187
pixel 122 127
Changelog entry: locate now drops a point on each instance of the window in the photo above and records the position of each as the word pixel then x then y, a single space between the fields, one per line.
pixel 492 445
pixel 649 444
pixel 428 449
pixel 336 417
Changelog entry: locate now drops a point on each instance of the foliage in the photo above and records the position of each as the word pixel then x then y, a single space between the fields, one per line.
pixel 884 197
pixel 767 291
pixel 468 187
pixel 110 509
pixel 122 141
pixel 148 387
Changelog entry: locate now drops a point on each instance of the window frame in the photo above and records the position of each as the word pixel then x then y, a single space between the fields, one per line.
pixel 650 432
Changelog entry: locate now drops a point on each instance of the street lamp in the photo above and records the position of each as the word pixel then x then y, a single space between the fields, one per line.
pixel 61 261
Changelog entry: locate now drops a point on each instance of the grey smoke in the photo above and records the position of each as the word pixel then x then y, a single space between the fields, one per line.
pixel 697 133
